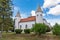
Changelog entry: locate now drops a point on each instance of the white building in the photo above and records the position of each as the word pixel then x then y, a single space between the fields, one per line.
pixel 30 21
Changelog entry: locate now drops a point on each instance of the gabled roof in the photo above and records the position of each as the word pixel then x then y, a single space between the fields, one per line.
pixel 32 18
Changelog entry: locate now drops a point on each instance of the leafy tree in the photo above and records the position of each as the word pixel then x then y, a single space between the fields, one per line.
pixel 48 29
pixel 56 29
pixel 39 28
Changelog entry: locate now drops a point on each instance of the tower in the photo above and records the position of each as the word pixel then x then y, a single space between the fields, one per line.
pixel 17 19
pixel 39 15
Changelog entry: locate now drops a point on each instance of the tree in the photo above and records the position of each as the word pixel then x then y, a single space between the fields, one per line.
pixel 56 29
pixel 39 28
pixel 48 29
pixel 8 25
pixel 5 14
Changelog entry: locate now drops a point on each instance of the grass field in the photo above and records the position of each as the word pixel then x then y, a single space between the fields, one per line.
pixel 13 36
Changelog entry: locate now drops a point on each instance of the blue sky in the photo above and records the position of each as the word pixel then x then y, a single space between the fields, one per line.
pixel 26 7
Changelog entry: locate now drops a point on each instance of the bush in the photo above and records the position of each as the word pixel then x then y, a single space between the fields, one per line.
pixel 56 29
pixel 48 29
pixel 11 29
pixel 18 31
pixel 27 31
pixel 39 28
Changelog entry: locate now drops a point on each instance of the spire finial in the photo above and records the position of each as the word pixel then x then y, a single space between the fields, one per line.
pixel 18 14
pixel 39 8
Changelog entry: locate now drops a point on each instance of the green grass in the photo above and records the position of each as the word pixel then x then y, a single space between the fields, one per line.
pixel 14 36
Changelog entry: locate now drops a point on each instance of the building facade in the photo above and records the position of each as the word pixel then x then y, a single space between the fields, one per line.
pixel 27 23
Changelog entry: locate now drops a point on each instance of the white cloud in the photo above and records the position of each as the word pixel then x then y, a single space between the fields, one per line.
pixel 58 1
pixel 44 14
pixel 33 13
pixel 13 18
pixel 49 3
pixel 53 21
pixel 54 10
pixel 16 9
pixel 23 15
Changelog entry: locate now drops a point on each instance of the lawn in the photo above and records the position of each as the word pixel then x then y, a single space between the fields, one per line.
pixel 13 36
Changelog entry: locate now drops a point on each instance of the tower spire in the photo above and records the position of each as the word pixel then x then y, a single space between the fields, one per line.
pixel 38 8
pixel 18 14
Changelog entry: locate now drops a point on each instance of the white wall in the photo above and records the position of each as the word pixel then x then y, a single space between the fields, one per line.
pixel 39 18
pixel 47 23
pixel 29 24
pixel 17 19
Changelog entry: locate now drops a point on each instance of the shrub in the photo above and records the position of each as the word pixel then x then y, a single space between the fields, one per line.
pixel 27 31
pixel 56 29
pixel 11 29
pixel 39 28
pixel 48 29
pixel 18 31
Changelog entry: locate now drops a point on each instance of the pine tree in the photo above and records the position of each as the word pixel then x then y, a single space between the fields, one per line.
pixel 5 14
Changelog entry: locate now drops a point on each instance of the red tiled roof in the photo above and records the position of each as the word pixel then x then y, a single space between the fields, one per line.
pixel 32 18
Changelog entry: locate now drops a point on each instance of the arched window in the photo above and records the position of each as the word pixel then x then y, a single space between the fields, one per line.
pixel 32 25
pixel 26 26
pixel 20 26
